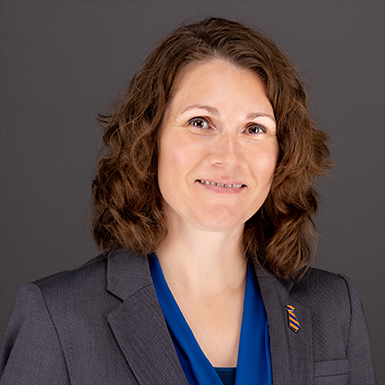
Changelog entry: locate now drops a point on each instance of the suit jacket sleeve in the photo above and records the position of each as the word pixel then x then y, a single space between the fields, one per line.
pixel 31 351
pixel 361 370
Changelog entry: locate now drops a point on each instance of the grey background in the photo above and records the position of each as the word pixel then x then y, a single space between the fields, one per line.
pixel 63 62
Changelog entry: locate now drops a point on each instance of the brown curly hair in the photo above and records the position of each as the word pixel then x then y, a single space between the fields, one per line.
pixel 127 203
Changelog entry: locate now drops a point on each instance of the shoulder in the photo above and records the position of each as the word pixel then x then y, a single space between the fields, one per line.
pixel 40 313
pixel 334 303
pixel 99 284
pixel 90 274
pixel 68 294
pixel 319 288
pixel 316 280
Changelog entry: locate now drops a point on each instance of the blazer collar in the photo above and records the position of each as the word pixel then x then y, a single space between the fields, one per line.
pixel 291 353
pixel 126 274
pixel 138 323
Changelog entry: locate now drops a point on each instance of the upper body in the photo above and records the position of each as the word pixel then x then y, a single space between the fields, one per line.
pixel 102 324
pixel 210 164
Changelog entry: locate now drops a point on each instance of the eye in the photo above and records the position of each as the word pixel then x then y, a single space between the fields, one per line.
pixel 199 122
pixel 255 129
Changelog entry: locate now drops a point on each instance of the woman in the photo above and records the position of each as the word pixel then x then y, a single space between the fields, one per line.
pixel 203 206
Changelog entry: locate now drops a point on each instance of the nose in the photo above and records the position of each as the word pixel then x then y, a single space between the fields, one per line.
pixel 226 150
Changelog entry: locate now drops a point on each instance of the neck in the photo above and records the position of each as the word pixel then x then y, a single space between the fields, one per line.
pixel 197 262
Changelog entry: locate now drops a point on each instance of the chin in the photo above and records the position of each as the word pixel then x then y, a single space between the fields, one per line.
pixel 220 222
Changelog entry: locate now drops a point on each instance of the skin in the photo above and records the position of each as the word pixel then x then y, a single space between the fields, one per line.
pixel 220 129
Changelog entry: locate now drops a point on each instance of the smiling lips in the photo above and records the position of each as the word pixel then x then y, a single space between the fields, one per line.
pixel 207 182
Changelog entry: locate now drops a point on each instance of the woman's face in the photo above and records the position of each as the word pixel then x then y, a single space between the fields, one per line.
pixel 218 147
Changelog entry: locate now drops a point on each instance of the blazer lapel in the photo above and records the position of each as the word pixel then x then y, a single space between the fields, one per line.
pixel 138 323
pixel 143 336
pixel 291 353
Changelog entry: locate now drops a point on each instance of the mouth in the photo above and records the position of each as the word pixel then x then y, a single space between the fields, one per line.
pixel 225 185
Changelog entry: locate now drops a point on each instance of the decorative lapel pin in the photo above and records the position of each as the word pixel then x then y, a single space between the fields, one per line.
pixel 293 321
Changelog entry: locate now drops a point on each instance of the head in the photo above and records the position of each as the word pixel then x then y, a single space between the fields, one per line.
pixel 127 210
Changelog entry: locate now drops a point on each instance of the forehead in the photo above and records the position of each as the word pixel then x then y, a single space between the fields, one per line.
pixel 220 82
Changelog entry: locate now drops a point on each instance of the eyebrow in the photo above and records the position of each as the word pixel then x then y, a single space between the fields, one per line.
pixel 209 109
pixel 215 112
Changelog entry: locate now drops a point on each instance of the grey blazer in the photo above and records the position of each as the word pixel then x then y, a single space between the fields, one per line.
pixel 102 324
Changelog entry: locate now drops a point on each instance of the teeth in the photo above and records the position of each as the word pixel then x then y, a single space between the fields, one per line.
pixel 220 184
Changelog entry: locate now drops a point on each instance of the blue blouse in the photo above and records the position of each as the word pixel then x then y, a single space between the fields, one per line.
pixel 253 367
pixel 227 375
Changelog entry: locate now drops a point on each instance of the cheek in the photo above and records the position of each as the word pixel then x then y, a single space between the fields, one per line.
pixel 271 165
pixel 173 166
pixel 179 155
pixel 264 162
pixel 173 157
